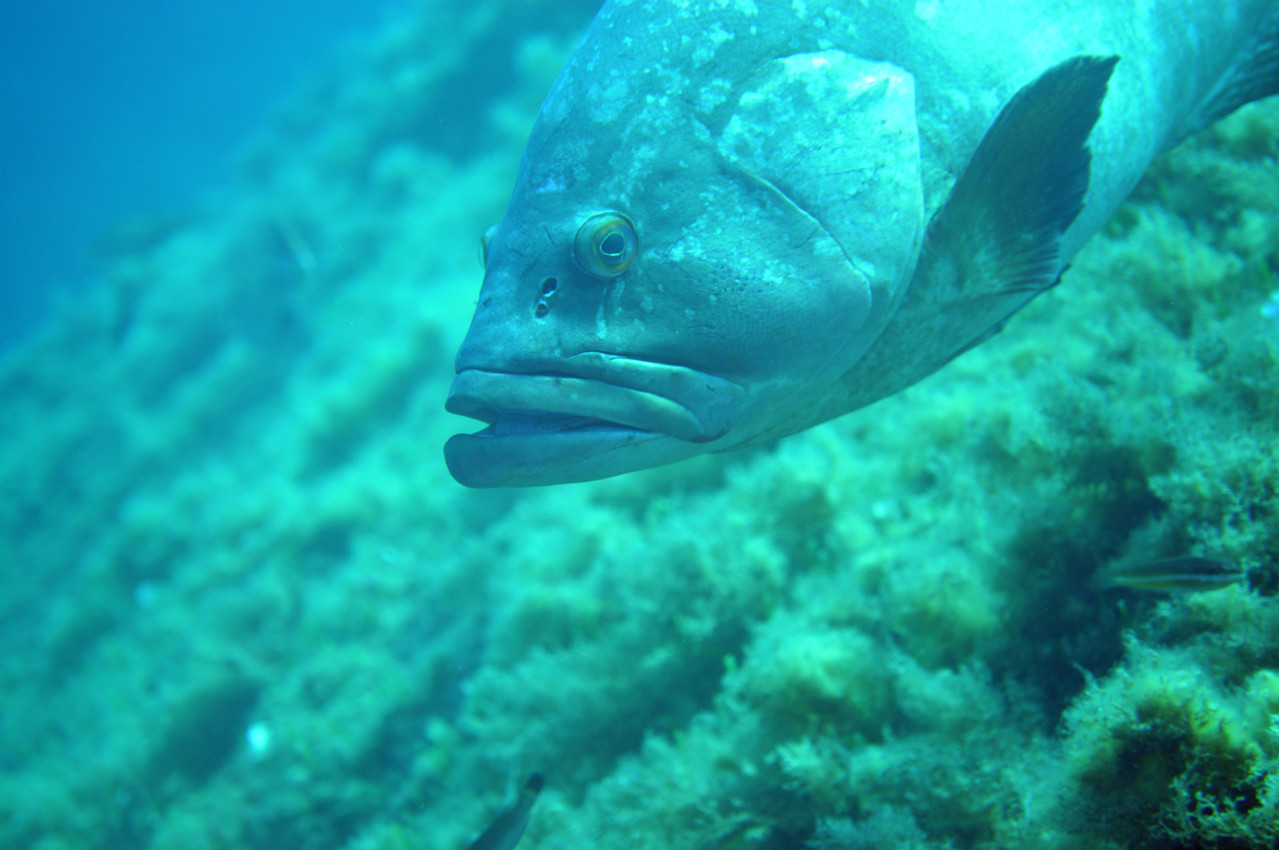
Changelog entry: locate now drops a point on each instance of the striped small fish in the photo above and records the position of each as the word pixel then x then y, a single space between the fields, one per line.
pixel 1171 575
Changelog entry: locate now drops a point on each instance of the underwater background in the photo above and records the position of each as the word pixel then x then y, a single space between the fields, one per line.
pixel 245 606
pixel 116 111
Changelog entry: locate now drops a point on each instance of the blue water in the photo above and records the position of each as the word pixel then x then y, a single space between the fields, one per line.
pixel 115 109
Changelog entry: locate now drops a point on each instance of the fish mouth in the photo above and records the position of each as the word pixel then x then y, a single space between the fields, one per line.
pixel 517 423
pixel 554 426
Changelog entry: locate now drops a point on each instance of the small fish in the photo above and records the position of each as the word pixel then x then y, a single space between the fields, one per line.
pixel 505 832
pixel 1176 575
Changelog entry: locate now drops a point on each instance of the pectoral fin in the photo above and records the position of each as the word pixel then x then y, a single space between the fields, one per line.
pixel 996 242
pixel 837 135
pixel 1000 230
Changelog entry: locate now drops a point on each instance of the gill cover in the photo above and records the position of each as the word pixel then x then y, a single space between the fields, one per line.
pixel 837 135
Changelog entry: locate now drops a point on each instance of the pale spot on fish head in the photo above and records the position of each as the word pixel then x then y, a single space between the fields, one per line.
pixel 926 10
pixel 607 101
pixel 705 52
pixel 601 326
pixel 551 184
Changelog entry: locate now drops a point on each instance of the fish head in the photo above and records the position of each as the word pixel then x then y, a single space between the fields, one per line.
pixel 664 284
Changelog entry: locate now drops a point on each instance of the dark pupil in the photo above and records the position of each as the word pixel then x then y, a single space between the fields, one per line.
pixel 612 245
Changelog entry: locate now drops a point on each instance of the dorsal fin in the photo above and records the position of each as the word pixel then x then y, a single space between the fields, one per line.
pixel 1253 76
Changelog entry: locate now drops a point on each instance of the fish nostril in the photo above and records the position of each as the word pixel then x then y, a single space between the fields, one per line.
pixel 542 307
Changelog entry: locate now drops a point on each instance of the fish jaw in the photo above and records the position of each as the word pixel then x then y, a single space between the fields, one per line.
pixel 540 458
pixel 611 415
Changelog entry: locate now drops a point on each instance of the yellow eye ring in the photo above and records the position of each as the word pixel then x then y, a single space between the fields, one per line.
pixel 606 244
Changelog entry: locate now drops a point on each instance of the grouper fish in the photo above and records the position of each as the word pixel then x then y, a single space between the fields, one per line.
pixel 735 219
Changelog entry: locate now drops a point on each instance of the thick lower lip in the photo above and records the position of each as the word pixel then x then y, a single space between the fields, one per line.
pixel 523 405
pixel 525 444
pixel 608 417
pixel 533 458
pixel 594 390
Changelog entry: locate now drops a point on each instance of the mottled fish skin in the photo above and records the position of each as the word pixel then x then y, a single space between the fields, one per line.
pixel 736 219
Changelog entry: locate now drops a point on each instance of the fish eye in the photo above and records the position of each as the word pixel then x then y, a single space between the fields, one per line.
pixel 606 244
pixel 485 238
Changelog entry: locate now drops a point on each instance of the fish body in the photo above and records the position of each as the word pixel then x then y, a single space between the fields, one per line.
pixel 736 219
pixel 1172 575
pixel 507 830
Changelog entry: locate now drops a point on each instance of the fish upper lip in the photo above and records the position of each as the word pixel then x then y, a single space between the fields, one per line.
pixel 596 390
